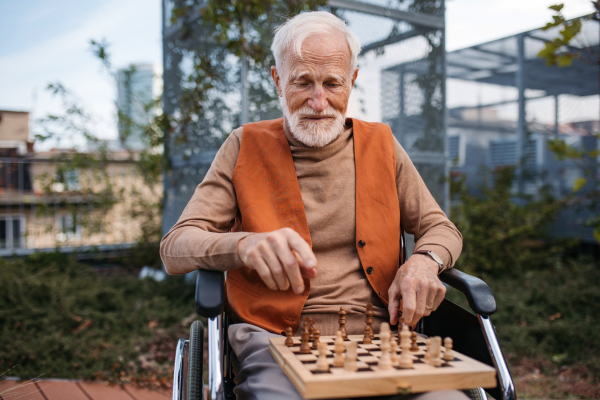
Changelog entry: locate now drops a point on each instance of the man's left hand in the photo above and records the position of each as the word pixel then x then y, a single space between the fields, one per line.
pixel 419 287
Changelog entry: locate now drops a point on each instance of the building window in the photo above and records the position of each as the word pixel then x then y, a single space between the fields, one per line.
pixel 454 149
pixel 12 232
pixel 67 228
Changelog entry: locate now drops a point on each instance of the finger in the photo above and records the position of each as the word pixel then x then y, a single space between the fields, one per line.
pixel 274 266
pixel 309 273
pixel 290 264
pixel 409 304
pixel 393 306
pixel 260 266
pixel 439 297
pixel 309 260
pixel 421 297
pixel 430 302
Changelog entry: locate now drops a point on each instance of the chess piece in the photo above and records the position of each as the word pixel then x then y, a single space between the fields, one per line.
pixel 317 336
pixel 351 355
pixel 311 330
pixel 435 352
pixel 289 342
pixel 406 359
pixel 385 360
pixel 367 335
pixel 304 346
pixel 413 338
pixel 448 354
pixel 339 359
pixel 322 364
pixel 369 320
pixel 427 349
pixel 342 322
pixel 394 350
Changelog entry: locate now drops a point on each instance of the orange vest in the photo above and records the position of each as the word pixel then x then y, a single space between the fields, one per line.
pixel 268 197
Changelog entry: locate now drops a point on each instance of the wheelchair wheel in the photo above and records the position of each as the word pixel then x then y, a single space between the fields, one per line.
pixel 474 394
pixel 195 378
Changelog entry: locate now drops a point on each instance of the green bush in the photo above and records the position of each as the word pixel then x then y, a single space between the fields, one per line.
pixel 60 319
pixel 503 232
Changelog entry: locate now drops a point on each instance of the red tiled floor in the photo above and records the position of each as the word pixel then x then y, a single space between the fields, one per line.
pixel 61 390
pixel 146 394
pixel 102 391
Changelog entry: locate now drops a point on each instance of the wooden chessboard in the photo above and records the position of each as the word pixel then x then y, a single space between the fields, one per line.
pixel 461 373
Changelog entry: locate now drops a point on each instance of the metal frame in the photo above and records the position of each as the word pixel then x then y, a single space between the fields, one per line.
pixel 504 378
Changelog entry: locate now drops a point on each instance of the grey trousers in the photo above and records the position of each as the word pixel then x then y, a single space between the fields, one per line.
pixel 257 375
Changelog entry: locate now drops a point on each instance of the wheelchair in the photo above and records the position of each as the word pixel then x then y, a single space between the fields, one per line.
pixel 472 334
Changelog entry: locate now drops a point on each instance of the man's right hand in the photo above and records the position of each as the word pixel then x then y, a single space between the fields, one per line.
pixel 281 258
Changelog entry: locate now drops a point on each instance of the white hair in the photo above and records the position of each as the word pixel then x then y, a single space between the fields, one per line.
pixel 291 34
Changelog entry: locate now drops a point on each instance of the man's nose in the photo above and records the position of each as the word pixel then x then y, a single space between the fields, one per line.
pixel 317 100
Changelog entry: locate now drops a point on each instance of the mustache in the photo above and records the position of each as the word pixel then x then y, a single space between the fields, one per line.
pixel 309 112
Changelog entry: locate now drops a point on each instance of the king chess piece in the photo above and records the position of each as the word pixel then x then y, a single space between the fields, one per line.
pixel 385 360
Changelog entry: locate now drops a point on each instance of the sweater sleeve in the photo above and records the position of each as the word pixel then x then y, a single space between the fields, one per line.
pixel 421 216
pixel 201 238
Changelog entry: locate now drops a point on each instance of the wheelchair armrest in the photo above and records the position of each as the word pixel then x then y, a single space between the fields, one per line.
pixel 478 293
pixel 210 293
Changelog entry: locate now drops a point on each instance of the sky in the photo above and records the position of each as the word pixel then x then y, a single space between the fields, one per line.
pixel 48 41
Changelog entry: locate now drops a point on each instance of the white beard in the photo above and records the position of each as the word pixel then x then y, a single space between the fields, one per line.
pixel 313 133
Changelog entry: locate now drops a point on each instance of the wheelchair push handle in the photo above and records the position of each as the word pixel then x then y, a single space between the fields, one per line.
pixel 478 293
pixel 210 293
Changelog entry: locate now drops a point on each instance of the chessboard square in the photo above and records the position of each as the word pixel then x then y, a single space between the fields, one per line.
pixel 361 364
pixel 307 357
pixel 368 346
pixel 369 359
pixel 376 353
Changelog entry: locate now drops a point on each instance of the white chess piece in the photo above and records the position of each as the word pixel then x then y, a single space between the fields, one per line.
pixel 406 360
pixel 322 364
pixel 351 355
pixel 339 359
pixel 448 353
pixel 435 353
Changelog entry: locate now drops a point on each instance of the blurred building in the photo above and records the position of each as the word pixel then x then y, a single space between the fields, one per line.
pixel 138 88
pixel 534 103
pixel 46 202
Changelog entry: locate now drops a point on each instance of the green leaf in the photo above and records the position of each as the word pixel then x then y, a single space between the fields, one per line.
pixel 565 60
pixel 557 7
pixel 597 234
pixel 579 183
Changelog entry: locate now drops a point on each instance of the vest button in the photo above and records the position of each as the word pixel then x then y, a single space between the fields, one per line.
pixel 370 270
pixel 361 243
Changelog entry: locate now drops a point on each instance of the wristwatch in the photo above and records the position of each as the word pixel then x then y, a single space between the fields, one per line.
pixel 434 257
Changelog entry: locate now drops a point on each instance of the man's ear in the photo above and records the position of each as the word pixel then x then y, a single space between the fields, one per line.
pixel 276 79
pixel 354 76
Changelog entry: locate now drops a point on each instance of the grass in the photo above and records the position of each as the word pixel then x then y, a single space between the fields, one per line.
pixel 61 319
pixel 548 323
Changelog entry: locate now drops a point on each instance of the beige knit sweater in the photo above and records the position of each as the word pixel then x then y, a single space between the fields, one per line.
pixel 201 237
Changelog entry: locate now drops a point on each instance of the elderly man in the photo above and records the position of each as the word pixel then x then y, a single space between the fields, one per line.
pixel 305 213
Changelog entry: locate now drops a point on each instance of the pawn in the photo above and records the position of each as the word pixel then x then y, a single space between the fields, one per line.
pixel 322 364
pixel 317 336
pixel 413 338
pixel 289 342
pixel 351 355
pixel 304 346
pixel 449 353
pixel 339 359
pixel 367 335
pixel 385 361
pixel 394 350
pixel 427 350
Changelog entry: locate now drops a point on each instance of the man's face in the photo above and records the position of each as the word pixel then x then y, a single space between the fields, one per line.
pixel 314 89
